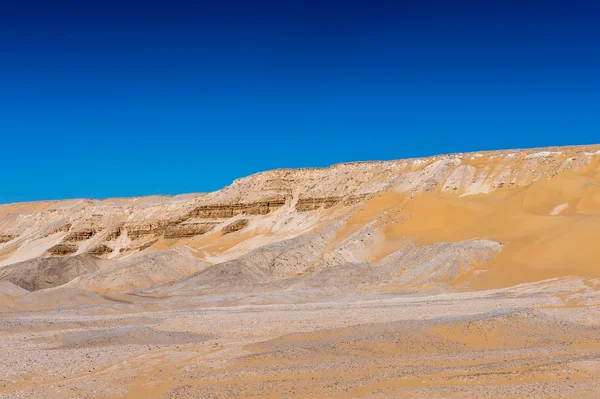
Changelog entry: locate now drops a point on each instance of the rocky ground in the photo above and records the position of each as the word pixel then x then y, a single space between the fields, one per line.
pixel 535 340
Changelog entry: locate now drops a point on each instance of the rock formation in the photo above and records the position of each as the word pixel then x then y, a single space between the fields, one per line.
pixel 381 208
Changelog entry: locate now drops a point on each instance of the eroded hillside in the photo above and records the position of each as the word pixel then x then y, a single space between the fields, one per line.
pixel 415 223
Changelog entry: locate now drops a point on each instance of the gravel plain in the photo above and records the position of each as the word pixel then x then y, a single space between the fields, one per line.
pixel 530 340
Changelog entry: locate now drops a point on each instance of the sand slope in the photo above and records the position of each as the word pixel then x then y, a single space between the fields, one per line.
pixel 40 273
pixel 146 270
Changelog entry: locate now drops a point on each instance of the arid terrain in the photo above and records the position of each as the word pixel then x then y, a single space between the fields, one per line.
pixel 453 276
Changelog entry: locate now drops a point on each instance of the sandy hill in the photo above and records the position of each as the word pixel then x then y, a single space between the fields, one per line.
pixel 460 221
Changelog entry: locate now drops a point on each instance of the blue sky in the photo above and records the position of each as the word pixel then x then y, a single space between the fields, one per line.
pixel 103 99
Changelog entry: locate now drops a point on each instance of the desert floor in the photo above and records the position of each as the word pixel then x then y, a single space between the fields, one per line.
pixel 536 340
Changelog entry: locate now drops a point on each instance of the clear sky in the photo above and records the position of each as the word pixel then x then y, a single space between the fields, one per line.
pixel 125 98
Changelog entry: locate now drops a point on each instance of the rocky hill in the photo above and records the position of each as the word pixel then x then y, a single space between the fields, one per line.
pixel 460 221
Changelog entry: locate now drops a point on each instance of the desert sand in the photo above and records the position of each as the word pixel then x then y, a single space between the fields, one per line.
pixel 454 276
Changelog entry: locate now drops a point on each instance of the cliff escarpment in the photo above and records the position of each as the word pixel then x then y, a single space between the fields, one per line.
pixel 502 196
